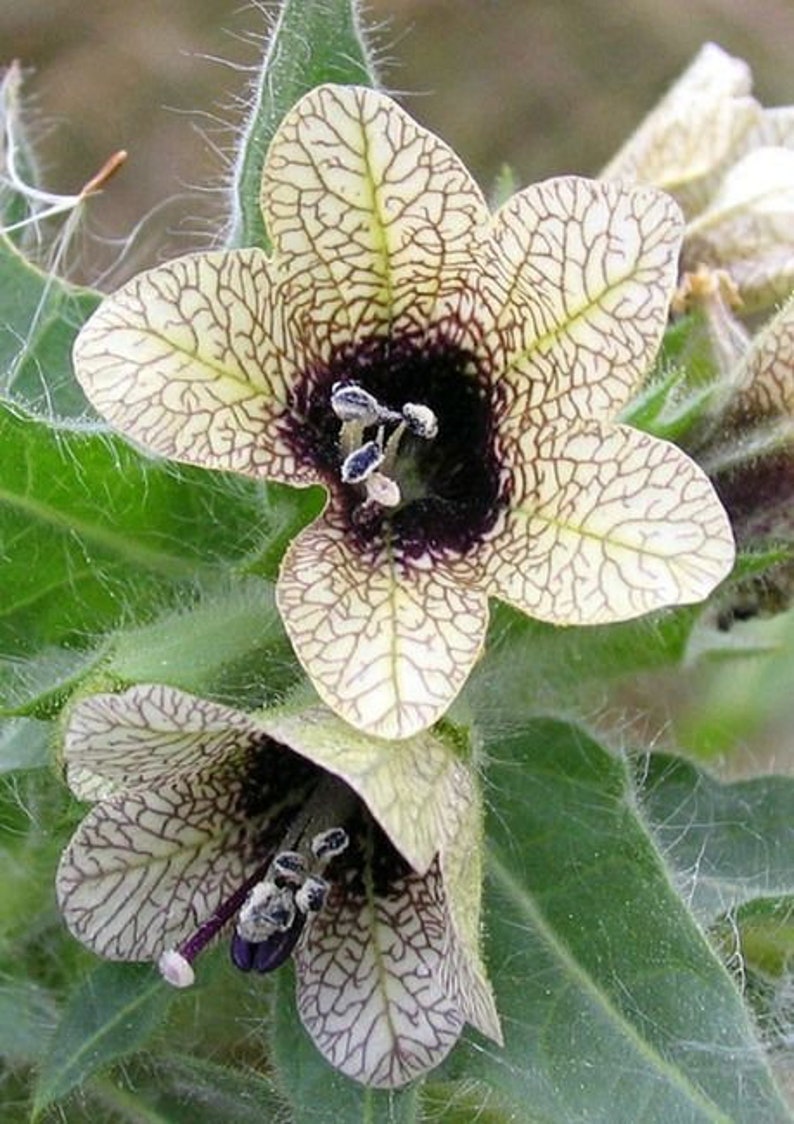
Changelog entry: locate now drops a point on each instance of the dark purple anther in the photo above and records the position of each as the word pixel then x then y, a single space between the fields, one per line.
pixel 266 956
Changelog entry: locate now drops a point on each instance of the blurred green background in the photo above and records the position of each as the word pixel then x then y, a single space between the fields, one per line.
pixel 542 85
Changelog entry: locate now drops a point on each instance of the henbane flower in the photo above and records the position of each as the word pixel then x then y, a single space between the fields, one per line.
pixel 451 378
pixel 291 834
pixel 729 162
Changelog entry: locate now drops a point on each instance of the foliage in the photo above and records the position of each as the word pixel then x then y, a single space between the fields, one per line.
pixel 627 895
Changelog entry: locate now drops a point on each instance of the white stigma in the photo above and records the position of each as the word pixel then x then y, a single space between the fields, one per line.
pixel 175 969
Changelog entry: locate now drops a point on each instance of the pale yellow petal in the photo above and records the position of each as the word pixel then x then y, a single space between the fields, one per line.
pixel 370 985
pixel 583 272
pixel 765 378
pixel 372 217
pixel 146 868
pixel 147 737
pixel 193 360
pixel 387 643
pixel 748 227
pixel 417 789
pixel 608 524
pixel 694 130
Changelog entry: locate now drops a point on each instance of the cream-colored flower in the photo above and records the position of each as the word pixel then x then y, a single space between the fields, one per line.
pixel 294 835
pixel 450 377
pixel 730 165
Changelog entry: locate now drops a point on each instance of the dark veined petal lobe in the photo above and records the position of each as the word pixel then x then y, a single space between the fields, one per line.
pixel 583 274
pixel 144 869
pixel 369 983
pixel 372 217
pixel 148 736
pixel 417 789
pixel 765 379
pixel 387 644
pixel 192 360
pixel 608 523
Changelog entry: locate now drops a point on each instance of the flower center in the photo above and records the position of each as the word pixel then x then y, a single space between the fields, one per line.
pixel 371 460
pixel 403 432
pixel 272 907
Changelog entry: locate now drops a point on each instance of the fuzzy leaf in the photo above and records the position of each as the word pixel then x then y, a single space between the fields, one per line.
pixel 110 1014
pixel 94 533
pixel 313 41
pixel 24 744
pixel 191 1090
pixel 40 315
pixel 728 843
pixel 614 1006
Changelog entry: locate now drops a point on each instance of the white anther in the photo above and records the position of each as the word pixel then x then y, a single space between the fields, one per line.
pixel 420 420
pixel 289 866
pixel 328 844
pixel 382 490
pixel 352 403
pixel 175 969
pixel 268 909
pixel 312 894
pixel 361 463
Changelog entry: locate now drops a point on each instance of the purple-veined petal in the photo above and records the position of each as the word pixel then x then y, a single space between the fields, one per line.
pixel 417 789
pixel 608 523
pixel 145 868
pixel 370 983
pixel 373 218
pixel 147 737
pixel 193 360
pixel 387 643
pixel 583 273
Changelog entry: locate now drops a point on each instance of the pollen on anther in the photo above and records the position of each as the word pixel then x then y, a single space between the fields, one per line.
pixel 328 844
pixel 310 898
pixel 361 463
pixel 351 403
pixel 420 420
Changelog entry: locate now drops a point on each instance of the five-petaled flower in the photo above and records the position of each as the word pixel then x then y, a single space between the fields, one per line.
pixel 295 835
pixel 730 165
pixel 451 377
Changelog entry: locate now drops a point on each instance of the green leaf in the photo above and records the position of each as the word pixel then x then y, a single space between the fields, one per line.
pixel 94 533
pixel 111 1014
pixel 40 314
pixel 315 1092
pixel 188 1090
pixel 230 644
pixel 532 668
pixel 727 843
pixel 313 41
pixel 24 744
pixel 613 1004
pixel 27 1016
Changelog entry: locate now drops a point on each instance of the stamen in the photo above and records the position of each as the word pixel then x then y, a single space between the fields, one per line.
pixel 361 463
pixel 266 956
pixel 274 914
pixel 326 845
pixel 420 420
pixel 351 403
pixel 267 909
pixel 312 894
pixel 288 867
